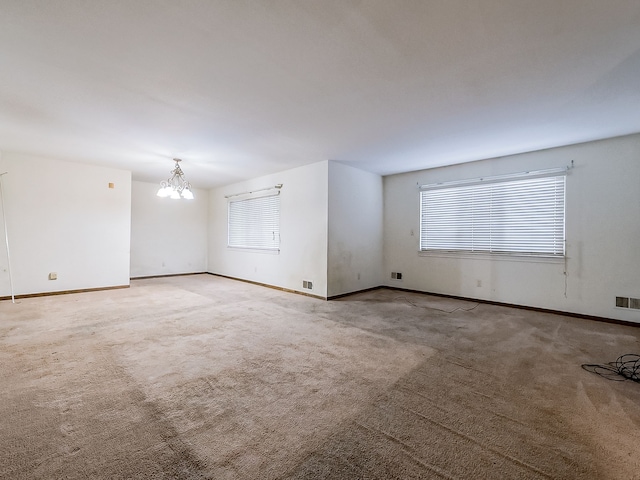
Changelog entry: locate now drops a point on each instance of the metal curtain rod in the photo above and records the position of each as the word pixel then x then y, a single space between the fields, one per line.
pixel 508 176
pixel 275 187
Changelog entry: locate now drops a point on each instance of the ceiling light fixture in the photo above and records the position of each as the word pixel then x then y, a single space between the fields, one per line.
pixel 176 186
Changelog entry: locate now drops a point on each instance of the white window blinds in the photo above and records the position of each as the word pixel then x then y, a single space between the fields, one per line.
pixel 520 217
pixel 255 223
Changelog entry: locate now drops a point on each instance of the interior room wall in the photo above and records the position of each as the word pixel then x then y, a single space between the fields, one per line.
pixel 62 217
pixel 167 236
pixel 303 232
pixel 602 234
pixel 354 257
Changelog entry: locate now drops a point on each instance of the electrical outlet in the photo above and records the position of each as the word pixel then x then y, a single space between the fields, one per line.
pixel 310 285
pixel 53 276
pixel 396 275
pixel 478 283
pixel 305 284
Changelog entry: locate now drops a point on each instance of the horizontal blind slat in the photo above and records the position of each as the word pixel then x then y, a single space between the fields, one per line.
pixel 515 216
pixel 254 223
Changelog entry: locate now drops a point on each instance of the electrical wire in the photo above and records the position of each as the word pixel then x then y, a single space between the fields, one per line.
pixel 566 272
pixel 626 367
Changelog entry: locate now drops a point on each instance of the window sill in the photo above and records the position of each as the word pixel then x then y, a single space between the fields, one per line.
pixel 496 256
pixel 268 251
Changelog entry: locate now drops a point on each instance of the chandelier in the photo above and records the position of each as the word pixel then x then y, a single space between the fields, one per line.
pixel 176 186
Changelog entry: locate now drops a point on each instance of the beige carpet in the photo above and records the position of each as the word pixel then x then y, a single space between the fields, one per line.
pixel 204 377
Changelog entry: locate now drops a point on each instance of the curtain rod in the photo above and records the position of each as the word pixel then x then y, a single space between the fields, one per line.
pixel 275 187
pixel 508 176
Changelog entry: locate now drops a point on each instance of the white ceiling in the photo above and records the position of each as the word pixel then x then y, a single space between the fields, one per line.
pixel 240 89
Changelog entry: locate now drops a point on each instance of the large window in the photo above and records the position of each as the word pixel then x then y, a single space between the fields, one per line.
pixel 255 223
pixel 517 217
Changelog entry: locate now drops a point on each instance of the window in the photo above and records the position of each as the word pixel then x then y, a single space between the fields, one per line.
pixel 255 223
pixel 516 217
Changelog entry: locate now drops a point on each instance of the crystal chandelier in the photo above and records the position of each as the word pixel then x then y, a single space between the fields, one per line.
pixel 176 186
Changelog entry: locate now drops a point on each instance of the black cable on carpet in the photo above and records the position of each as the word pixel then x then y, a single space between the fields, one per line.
pixel 626 367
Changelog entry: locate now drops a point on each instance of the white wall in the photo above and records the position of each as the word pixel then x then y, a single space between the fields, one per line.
pixel 602 232
pixel 167 236
pixel 303 232
pixel 355 229
pixel 62 217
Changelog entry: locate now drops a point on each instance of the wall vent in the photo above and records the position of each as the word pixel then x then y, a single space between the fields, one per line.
pixel 622 302
pixel 634 303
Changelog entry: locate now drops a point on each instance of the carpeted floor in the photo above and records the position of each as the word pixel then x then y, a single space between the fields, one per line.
pixel 204 377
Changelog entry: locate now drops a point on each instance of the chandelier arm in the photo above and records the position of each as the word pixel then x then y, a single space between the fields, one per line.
pixel 176 186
